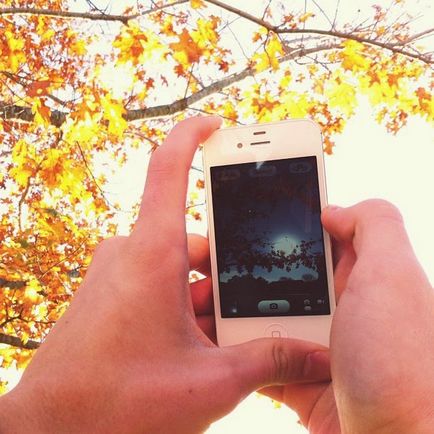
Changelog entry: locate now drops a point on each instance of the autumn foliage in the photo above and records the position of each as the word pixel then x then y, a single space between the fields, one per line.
pixel 167 60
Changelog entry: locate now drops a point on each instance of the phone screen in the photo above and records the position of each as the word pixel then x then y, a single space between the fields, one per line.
pixel 269 239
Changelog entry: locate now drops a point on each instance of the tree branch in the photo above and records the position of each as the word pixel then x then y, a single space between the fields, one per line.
pixel 331 33
pixel 66 14
pixel 17 342
pixel 17 284
pixel 342 35
pixel 85 15
pixel 10 111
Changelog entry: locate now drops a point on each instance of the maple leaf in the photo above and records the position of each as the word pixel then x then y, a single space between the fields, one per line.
pixel 223 65
pixel 42 113
pixel 149 83
pixel 186 50
pixel 113 113
pixel 38 88
pixel 342 95
pixel 303 18
pixel 353 60
pixel 269 58
pixel 197 4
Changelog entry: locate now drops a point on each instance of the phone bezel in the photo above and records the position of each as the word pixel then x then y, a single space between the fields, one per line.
pixel 287 139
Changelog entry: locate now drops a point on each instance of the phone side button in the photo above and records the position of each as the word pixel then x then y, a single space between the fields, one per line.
pixel 275 331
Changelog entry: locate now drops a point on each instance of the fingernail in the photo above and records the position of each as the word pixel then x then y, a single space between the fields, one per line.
pixel 317 366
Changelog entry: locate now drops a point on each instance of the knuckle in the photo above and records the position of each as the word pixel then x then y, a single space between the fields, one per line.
pixel 283 366
pixel 160 165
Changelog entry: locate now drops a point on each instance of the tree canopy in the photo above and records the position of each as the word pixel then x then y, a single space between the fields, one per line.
pixel 78 80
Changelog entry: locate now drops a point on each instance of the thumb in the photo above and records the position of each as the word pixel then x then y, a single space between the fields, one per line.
pixel 276 361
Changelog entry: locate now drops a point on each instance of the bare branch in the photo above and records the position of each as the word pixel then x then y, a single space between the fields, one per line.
pixel 351 36
pixel 12 111
pixel 14 341
pixel 243 14
pixel 16 284
pixel 331 33
pixel 85 15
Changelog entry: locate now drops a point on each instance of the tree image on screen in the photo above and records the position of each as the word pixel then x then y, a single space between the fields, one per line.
pixel 268 232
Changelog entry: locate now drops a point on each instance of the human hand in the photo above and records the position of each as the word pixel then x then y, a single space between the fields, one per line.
pixel 382 340
pixel 128 356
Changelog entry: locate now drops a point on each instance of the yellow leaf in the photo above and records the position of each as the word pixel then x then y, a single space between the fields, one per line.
pixel 206 32
pixel 42 113
pixel 32 291
pixel 352 59
pixel 137 46
pixel 84 131
pixel 22 169
pixel 15 57
pixel 306 16
pixel 341 95
pixel 113 113
pixel 47 35
pixel 24 337
pixel 269 58
pixel 197 4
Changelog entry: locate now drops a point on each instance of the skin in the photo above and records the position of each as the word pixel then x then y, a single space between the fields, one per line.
pixel 382 339
pixel 128 356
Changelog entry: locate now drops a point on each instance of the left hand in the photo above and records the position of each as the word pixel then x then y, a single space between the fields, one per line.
pixel 128 355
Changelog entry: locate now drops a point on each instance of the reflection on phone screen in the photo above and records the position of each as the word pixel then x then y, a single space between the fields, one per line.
pixel 269 239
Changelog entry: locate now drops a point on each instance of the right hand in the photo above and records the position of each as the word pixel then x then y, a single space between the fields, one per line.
pixel 382 340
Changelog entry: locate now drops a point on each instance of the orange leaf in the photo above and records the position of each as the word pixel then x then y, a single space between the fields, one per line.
pixel 186 50
pixel 38 88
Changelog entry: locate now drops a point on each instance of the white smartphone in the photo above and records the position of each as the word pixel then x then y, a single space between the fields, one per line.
pixel 271 261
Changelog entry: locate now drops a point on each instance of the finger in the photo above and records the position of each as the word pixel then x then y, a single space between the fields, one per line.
pixel 207 324
pixel 264 362
pixel 302 398
pixel 198 253
pixel 163 202
pixel 344 259
pixel 201 294
pixel 376 230
pixel 373 225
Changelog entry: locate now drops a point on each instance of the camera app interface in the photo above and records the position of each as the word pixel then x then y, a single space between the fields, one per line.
pixel 270 248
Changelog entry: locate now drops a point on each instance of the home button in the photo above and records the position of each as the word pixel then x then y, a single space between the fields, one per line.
pixel 276 331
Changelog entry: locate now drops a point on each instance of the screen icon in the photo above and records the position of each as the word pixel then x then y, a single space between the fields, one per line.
pixel 300 167
pixel 273 306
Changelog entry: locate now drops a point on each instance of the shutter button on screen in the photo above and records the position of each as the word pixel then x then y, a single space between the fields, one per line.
pixel 273 306
pixel 276 331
